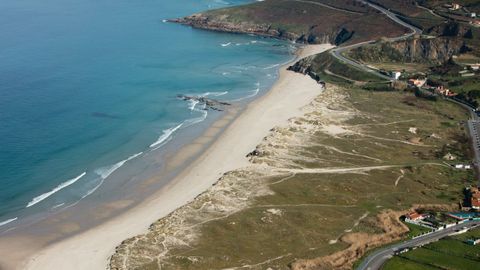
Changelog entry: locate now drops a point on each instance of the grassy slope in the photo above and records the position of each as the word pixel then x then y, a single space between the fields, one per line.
pixel 306 227
pixel 307 18
pixel 325 62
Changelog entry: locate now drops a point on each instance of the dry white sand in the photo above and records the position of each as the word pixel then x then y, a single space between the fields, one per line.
pixel 92 249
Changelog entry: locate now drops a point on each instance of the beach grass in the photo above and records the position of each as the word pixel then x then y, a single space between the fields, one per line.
pixel 306 213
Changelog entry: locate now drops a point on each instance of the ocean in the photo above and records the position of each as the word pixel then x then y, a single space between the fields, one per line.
pixel 88 87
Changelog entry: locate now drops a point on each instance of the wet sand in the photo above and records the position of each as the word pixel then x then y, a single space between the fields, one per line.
pixel 92 248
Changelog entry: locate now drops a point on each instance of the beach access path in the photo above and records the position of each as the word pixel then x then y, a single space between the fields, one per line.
pixel 92 249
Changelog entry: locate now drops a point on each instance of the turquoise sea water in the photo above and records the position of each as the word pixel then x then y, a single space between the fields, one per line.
pixel 86 87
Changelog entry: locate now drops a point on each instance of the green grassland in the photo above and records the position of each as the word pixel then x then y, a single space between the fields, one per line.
pixel 320 207
pixel 416 230
pixel 310 20
pixel 327 66
pixel 449 253
pixel 410 12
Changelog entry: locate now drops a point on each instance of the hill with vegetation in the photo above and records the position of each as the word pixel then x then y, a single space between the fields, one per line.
pixel 350 166
pixel 311 22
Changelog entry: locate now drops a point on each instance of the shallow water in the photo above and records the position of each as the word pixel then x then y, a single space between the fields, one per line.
pixel 87 87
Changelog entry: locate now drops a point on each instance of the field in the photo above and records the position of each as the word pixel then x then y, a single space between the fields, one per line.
pixel 449 253
pixel 313 184
pixel 416 230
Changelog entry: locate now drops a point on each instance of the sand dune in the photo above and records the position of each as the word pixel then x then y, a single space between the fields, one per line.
pixel 91 249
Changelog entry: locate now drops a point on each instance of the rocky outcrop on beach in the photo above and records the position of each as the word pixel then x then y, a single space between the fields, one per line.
pixel 304 66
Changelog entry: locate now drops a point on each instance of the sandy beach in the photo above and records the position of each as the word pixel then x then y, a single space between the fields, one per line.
pixel 91 249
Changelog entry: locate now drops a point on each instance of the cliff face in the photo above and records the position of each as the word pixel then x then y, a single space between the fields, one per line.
pixel 436 50
pixel 304 66
pixel 416 50
pixel 222 24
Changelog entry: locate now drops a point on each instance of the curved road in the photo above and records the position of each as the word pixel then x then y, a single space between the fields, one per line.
pixel 377 259
pixel 337 53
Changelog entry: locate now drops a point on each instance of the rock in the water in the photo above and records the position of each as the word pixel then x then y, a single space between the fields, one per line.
pixel 210 104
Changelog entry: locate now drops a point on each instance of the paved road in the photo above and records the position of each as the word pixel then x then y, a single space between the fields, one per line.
pixel 337 53
pixel 474 132
pixel 377 259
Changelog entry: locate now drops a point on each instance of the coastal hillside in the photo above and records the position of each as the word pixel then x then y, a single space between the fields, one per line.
pixel 414 50
pixel 319 192
pixel 368 152
pixel 315 21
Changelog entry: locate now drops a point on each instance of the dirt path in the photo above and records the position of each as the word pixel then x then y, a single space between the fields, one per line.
pixel 329 6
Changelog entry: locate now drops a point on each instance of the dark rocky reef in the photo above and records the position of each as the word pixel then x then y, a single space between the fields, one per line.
pixel 210 104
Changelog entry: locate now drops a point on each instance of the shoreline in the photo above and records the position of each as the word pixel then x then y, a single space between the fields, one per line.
pixel 91 249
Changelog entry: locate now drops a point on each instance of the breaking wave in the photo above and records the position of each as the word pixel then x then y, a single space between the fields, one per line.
pixel 215 94
pixel 253 93
pixel 166 134
pixel 105 172
pixel 2 223
pixel 55 190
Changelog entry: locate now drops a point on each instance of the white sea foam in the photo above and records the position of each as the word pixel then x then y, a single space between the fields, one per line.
pixel 226 44
pixel 55 190
pixel 164 21
pixel 215 94
pixel 92 190
pixel 272 66
pixel 105 172
pixel 197 120
pixel 58 205
pixel 8 221
pixel 192 103
pixel 253 93
pixel 166 134
pixel 277 65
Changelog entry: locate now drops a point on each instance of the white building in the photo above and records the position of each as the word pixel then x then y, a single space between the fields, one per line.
pixel 396 75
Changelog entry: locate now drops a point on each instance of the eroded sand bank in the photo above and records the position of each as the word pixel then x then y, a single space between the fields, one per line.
pixel 91 249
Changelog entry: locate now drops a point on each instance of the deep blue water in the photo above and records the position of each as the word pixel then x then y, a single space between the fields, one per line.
pixel 86 84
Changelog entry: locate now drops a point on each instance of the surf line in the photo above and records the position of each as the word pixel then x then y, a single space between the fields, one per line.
pixel 55 190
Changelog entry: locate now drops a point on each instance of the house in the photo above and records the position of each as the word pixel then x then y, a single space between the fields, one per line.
pixel 473 242
pixel 474 66
pixel 444 91
pixel 473 15
pixel 475 204
pixel 414 216
pixel 417 82
pixel 456 6
pixel 459 166
pixel 475 198
pixel 396 75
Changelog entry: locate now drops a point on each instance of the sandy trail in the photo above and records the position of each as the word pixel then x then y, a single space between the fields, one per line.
pixel 92 249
